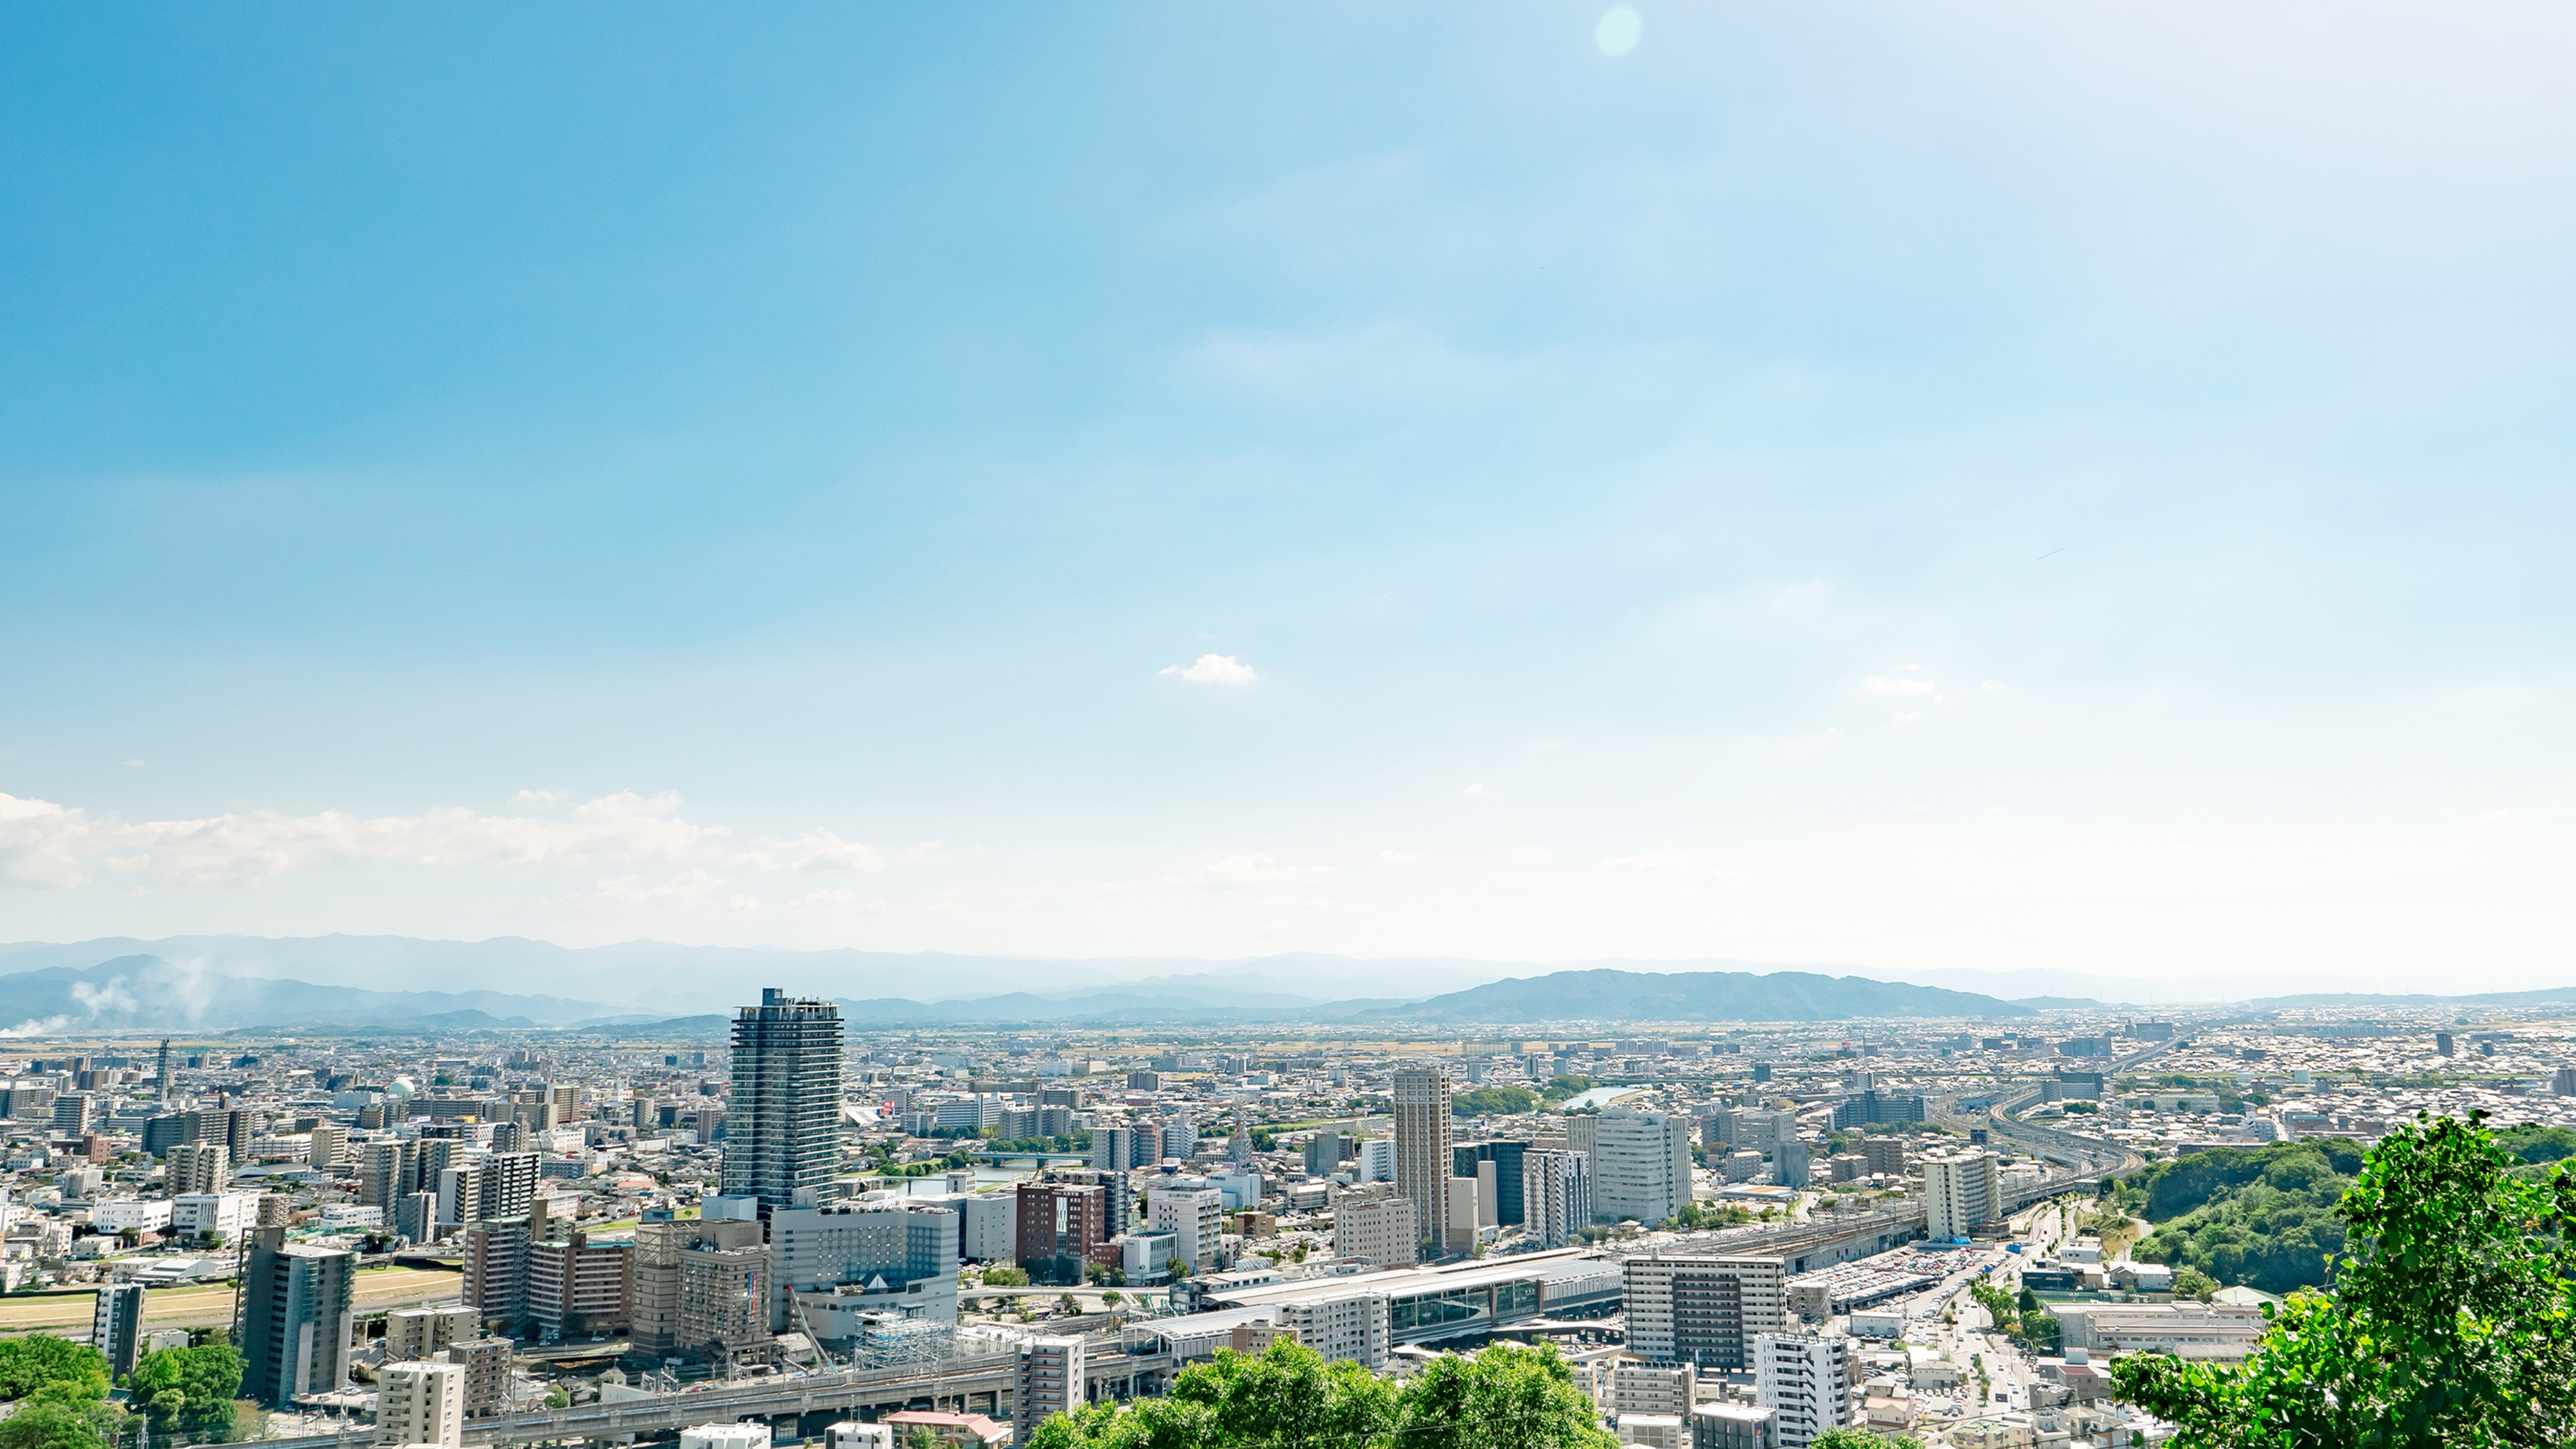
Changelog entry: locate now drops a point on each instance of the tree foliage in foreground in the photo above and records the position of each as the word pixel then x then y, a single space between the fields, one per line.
pixel 61 1387
pixel 1505 1397
pixel 2450 1324
pixel 188 1390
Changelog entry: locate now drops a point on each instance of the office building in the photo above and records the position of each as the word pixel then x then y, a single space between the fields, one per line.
pixel 420 1402
pixel 1423 1128
pixel 1324 1153
pixel 1805 1381
pixel 1050 1382
pixel 1641 1165
pixel 701 1289
pixel 990 1231
pixel 1059 1224
pixel 1376 1227
pixel 116 1326
pixel 1507 1158
pixel 293 1329
pixel 1789 1166
pixel 899 1260
pixel 1194 1217
pixel 1703 1311
pixel 1960 1191
pixel 782 1121
pixel 1556 1196
pixel 196 1168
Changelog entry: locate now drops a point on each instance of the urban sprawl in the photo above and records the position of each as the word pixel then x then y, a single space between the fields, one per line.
pixel 1738 1236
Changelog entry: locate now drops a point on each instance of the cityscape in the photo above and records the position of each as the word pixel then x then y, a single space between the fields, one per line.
pixel 1582 724
pixel 797 1223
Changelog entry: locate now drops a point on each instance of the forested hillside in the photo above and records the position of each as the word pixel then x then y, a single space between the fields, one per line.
pixel 2261 1217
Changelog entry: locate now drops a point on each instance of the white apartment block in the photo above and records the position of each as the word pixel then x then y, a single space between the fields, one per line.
pixel 1960 1190
pixel 1556 1196
pixel 1639 1388
pixel 228 1213
pixel 1348 1329
pixel 1050 1382
pixel 130 1215
pixel 1805 1381
pixel 1377 1160
pixel 1641 1165
pixel 421 1403
pixel 1378 1230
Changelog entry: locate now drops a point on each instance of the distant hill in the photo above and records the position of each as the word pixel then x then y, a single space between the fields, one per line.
pixel 144 993
pixel 2551 996
pixel 2059 1003
pixel 1605 995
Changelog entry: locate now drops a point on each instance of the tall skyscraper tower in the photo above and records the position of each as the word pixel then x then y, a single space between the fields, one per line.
pixel 161 1078
pixel 783 1124
pixel 1423 1152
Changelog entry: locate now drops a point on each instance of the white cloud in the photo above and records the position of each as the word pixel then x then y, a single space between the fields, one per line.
pixel 136 765
pixel 820 900
pixel 1475 792
pixel 1242 872
pixel 1648 864
pixel 1401 857
pixel 1533 855
pixel 1904 718
pixel 47 845
pixel 1214 669
pixel 541 797
pixel 1908 680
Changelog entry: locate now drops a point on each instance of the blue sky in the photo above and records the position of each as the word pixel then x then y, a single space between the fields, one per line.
pixel 1912 487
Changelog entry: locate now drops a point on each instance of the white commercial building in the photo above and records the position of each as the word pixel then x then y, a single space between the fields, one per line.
pixel 992 1227
pixel 227 1213
pixel 751 1434
pixel 2186 1330
pixel 130 1214
pixel 420 1402
pixel 1805 1381
pixel 1641 1165
pixel 1195 1217
pixel 1960 1191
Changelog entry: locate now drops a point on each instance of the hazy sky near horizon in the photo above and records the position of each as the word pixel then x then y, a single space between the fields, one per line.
pixel 1969 486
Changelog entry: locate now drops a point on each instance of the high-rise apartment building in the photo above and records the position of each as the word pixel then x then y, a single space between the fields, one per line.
pixel 486 1362
pixel 1378 1228
pixel 329 1142
pixel 421 1402
pixel 1348 1328
pixel 1556 1196
pixel 1641 1166
pixel 1423 1156
pixel 418 1333
pixel 191 1168
pixel 1704 1311
pixel 1960 1191
pixel 1507 1157
pixel 293 1332
pixel 702 1289
pixel 1050 1382
pixel 782 1124
pixel 1115 1152
pixel 1662 1389
pixel 1805 1381
pixel 1883 1154
pixel 1324 1154
pixel 116 1326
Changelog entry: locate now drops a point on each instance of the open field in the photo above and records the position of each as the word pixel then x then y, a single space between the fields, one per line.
pixel 204 1305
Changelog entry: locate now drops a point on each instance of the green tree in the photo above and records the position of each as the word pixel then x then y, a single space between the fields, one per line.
pixel 1004 1276
pixel 188 1390
pixel 1506 1397
pixel 1862 1439
pixel 2193 1283
pixel 31 1363
pixel 54 1424
pixel 2450 1325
